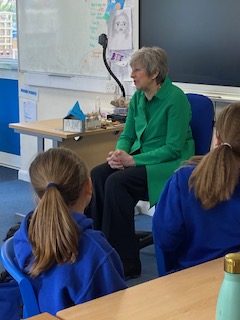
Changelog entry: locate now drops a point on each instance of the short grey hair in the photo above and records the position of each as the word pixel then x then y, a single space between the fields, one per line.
pixel 152 59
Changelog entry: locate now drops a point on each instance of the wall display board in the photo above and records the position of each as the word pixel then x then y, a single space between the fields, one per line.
pixel 61 37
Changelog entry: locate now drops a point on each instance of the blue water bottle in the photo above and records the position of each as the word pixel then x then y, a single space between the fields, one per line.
pixel 228 303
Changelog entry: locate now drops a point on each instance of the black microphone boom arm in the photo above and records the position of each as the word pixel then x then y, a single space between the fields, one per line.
pixel 103 41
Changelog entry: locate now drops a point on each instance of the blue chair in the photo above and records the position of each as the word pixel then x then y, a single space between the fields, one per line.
pixel 202 124
pixel 30 304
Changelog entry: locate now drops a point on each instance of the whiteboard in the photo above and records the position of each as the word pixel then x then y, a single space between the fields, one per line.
pixel 61 37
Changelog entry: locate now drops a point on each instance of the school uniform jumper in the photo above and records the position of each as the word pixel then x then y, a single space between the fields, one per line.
pixel 190 234
pixel 96 272
pixel 158 135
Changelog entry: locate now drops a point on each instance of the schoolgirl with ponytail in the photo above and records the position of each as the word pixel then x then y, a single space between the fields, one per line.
pixel 68 262
pixel 198 215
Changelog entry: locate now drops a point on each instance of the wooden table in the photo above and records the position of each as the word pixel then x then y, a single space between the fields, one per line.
pixel 43 316
pixel 190 294
pixel 93 145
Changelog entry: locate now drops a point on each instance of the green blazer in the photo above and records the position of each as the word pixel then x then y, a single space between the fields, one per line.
pixel 160 130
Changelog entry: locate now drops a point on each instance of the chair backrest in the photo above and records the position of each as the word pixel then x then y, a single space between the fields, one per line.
pixel 202 121
pixel 30 304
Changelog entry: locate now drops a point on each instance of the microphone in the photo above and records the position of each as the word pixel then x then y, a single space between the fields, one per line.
pixel 103 41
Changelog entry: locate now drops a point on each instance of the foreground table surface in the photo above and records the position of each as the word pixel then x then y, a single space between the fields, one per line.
pixel 190 294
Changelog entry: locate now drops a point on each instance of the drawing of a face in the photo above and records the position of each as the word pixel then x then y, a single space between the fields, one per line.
pixel 121 24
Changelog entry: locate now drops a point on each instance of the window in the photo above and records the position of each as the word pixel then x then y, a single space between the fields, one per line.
pixel 8 34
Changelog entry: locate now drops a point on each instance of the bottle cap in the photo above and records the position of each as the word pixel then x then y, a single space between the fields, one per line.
pixel 232 263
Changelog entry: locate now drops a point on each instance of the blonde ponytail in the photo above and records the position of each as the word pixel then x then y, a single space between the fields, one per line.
pixel 57 242
pixel 215 177
pixel 216 174
pixel 57 176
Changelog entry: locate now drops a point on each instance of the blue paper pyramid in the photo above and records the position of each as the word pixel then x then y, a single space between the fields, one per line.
pixel 76 112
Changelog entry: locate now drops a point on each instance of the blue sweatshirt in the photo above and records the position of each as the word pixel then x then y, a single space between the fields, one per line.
pixel 188 233
pixel 96 272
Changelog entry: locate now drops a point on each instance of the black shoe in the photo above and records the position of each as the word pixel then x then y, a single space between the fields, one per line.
pixel 132 269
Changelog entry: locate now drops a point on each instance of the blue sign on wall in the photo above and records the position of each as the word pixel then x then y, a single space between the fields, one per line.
pixel 9 112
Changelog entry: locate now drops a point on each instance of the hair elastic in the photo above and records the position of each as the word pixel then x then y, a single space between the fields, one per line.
pixel 226 144
pixel 52 185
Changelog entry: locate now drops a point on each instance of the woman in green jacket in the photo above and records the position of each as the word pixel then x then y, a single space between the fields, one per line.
pixel 155 140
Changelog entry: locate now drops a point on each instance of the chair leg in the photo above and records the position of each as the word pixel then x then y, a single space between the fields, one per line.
pixel 144 238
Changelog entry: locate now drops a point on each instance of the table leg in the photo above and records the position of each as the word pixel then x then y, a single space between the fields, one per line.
pixel 40 144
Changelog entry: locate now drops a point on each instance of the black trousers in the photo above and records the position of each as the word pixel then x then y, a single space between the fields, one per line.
pixel 116 192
